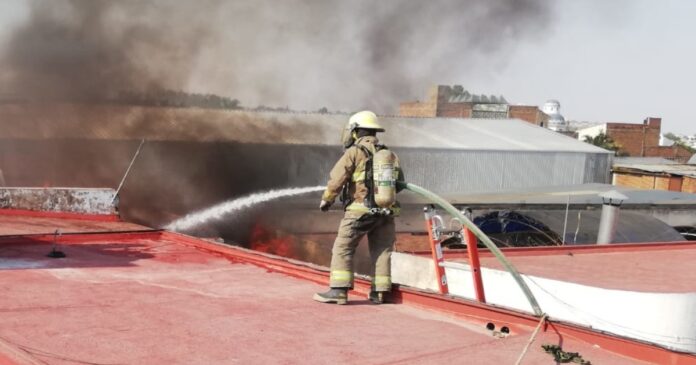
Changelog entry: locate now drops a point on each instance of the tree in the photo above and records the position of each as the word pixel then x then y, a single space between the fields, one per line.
pixel 679 142
pixel 603 141
pixel 672 136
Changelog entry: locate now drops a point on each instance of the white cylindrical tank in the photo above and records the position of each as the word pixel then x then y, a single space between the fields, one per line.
pixel 552 108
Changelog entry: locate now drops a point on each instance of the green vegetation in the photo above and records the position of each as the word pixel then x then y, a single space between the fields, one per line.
pixel 603 141
pixel 680 142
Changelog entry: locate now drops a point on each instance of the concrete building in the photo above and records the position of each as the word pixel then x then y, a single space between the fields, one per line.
pixel 638 140
pixel 455 102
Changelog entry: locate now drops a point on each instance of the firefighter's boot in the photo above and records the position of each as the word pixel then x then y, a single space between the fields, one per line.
pixel 334 295
pixel 380 297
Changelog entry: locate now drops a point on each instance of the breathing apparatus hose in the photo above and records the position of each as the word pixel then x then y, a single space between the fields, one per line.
pixel 482 236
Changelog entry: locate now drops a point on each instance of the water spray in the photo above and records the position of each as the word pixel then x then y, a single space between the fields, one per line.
pixel 217 211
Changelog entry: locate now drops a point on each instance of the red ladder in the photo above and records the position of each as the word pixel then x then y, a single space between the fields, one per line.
pixel 435 227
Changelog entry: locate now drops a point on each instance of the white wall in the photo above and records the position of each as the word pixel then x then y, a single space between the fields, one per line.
pixel 667 319
pixel 591 131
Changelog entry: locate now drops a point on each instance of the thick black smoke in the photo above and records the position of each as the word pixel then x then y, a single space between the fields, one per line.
pixel 95 49
pixel 301 53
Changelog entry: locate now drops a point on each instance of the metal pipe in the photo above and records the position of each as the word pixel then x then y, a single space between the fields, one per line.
pixel 607 224
pixel 610 216
pixel 123 180
pixel 565 221
pixel 484 239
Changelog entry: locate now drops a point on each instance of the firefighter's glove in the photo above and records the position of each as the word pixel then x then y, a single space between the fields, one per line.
pixel 324 206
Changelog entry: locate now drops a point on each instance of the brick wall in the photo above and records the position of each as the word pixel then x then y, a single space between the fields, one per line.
pixel 528 113
pixel 677 153
pixel 661 182
pixel 636 139
pixel 672 183
pixel 427 108
pixel 689 185
pixel 417 109
pixel 634 180
pixel 455 110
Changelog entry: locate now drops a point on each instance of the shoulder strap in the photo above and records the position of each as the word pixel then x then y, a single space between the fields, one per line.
pixel 366 150
pixel 369 177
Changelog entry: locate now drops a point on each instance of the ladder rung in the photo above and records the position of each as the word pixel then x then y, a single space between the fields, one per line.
pixel 455 265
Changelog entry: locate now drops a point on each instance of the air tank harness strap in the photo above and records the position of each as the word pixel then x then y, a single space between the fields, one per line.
pixel 381 211
pixel 359 207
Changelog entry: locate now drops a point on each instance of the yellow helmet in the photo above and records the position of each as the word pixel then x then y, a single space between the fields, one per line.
pixel 365 120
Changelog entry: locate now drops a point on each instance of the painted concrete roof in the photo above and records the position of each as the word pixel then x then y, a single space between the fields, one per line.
pixel 151 299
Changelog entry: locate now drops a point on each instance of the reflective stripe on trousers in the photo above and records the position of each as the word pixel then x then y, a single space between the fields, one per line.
pixel 381 282
pixel 380 231
pixel 341 278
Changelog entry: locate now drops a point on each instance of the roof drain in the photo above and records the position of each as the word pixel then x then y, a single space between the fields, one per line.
pixel 55 253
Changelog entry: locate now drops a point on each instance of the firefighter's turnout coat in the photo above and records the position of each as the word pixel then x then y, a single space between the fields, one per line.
pixel 348 178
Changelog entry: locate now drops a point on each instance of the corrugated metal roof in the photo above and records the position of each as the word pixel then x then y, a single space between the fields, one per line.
pixel 560 195
pixel 466 97
pixel 672 169
pixel 480 134
pixel 27 121
pixel 643 161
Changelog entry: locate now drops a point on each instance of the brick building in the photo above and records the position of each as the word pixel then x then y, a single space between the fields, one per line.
pixel 638 140
pixel 672 177
pixel 455 102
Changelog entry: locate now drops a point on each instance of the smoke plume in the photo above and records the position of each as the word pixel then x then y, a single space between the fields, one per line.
pixel 301 53
pixel 94 49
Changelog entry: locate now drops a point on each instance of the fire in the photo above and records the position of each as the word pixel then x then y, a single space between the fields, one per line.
pixel 271 241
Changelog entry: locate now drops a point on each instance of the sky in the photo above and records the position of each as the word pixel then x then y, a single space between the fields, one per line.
pixel 620 64
pixel 617 61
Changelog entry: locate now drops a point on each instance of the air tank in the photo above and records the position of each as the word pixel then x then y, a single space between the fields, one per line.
pixel 384 172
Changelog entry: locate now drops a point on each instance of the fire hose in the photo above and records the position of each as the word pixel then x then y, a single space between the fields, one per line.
pixel 449 208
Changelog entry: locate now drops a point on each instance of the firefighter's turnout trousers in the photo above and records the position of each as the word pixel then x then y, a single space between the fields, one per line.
pixel 380 231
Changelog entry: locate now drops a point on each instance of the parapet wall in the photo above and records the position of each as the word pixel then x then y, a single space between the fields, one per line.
pixel 65 200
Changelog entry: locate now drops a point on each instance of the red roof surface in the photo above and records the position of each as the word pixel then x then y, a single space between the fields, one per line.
pixel 151 298
pixel 635 267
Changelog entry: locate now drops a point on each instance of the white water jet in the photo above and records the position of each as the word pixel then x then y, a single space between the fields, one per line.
pixel 217 211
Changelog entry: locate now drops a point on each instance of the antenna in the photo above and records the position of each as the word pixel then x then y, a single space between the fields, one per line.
pixel 123 180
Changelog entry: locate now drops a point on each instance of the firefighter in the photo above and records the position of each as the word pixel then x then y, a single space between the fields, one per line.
pixel 353 178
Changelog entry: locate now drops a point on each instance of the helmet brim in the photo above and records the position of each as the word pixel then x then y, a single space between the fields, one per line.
pixel 372 129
